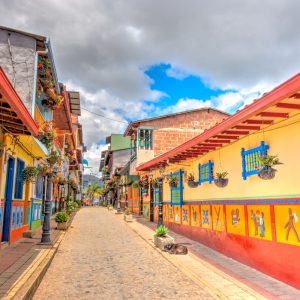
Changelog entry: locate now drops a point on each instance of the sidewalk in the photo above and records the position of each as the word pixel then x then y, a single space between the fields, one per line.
pixel 225 277
pixel 17 259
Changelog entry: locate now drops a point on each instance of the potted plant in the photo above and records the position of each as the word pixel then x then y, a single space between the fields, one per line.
pixel 61 219
pixel 191 181
pixel 62 180
pixel 145 185
pixel 29 174
pixel 135 185
pixel 266 171
pixel 161 237
pixel 155 183
pixel 128 215
pixel 173 182
pixel 221 180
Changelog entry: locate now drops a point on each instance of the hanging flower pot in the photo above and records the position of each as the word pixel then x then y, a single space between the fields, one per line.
pixel 191 181
pixel 173 182
pixel 192 184
pixel 44 102
pixel 221 180
pixel 266 173
pixel 155 183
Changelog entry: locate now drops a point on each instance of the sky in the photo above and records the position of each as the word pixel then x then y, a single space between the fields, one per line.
pixel 138 58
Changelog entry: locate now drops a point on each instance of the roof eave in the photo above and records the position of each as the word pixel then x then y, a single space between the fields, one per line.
pixel 284 90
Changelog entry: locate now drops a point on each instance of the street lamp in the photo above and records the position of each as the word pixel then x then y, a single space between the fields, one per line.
pixel 46 239
pixel 160 201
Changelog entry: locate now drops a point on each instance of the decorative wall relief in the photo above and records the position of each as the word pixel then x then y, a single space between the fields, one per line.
pixel 195 215
pixel 218 218
pixel 287 220
pixel 206 221
pixel 185 215
pixel 259 221
pixel 235 219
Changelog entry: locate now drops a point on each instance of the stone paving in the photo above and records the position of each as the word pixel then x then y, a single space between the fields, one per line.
pixel 16 258
pixel 102 258
pixel 264 284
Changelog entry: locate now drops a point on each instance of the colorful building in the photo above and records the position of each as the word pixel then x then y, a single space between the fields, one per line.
pixel 31 97
pixel 155 136
pixel 250 219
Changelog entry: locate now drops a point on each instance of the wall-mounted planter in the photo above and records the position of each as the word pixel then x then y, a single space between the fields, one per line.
pixel 173 184
pixel 221 182
pixel 192 184
pixel 266 173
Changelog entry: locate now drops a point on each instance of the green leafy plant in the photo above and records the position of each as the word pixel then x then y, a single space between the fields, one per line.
pixel 135 185
pixel 268 161
pixel 61 217
pixel 127 212
pixel 155 183
pixel 161 231
pixel 191 177
pixel 221 175
pixel 29 174
pixel 173 182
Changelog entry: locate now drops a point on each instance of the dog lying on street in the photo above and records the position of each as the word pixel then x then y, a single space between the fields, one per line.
pixel 176 249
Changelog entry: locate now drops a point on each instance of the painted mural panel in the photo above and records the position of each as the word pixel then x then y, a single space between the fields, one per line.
pixel 146 211
pixel 287 220
pixel 177 214
pixel 171 213
pixel 259 222
pixel 235 219
pixel 206 221
pixel 185 215
pixel 166 213
pixel 195 215
pixel 218 218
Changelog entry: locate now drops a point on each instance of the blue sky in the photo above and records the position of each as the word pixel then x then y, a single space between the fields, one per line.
pixel 177 84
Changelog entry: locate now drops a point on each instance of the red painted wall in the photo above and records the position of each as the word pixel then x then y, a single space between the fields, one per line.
pixel 275 259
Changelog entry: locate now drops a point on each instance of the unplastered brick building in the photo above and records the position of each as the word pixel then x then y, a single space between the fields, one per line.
pixel 155 136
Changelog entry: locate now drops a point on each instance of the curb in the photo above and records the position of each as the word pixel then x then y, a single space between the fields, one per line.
pixel 216 292
pixel 26 285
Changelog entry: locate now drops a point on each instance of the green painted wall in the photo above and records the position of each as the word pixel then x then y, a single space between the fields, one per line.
pixel 119 142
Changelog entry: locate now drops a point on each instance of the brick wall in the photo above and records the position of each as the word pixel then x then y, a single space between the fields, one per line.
pixel 173 131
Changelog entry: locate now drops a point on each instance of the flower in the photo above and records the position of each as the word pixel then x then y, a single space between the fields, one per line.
pixel 40 66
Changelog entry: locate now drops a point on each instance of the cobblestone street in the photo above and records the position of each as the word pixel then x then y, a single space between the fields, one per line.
pixel 102 258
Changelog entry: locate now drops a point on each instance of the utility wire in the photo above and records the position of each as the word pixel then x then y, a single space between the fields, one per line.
pixel 102 116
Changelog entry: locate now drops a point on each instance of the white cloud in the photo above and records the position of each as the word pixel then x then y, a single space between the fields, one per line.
pixel 105 53
pixel 186 104
pixel 93 157
pixel 177 73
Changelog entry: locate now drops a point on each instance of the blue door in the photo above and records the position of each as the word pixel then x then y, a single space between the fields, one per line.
pixel 8 199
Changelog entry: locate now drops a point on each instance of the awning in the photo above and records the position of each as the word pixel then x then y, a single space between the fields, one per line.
pixel 281 103
pixel 34 146
pixel 14 116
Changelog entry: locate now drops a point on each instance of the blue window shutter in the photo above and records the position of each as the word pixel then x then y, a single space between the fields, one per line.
pixel 177 193
pixel 250 163
pixel 39 187
pixel 19 181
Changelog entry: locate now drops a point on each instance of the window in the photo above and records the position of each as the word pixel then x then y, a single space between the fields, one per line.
pixel 177 192
pixel 144 139
pixel 39 187
pixel 19 180
pixel 250 163
pixel 206 172
pixel 156 196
